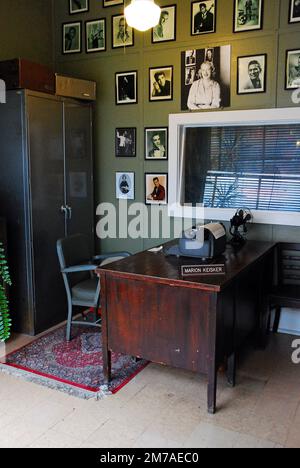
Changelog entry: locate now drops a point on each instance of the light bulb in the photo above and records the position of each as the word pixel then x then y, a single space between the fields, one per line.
pixel 142 14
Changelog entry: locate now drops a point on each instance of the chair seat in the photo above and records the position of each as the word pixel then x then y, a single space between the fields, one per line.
pixel 288 292
pixel 85 291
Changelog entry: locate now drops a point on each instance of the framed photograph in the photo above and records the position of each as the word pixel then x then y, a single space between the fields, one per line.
pixel 156 189
pixel 126 142
pixel 110 3
pixel 248 15
pixel 165 31
pixel 252 72
pixel 203 17
pixel 206 78
pixel 294 16
pixel 78 6
pixel 292 80
pixel 125 187
pixel 161 84
pixel 71 38
pixel 122 34
pixel 95 35
pixel 156 143
pixel 126 88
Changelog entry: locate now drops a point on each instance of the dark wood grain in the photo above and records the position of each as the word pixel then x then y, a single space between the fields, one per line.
pixel 151 312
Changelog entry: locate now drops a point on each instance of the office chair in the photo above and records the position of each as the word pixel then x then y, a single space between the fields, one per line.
pixel 82 286
pixel 286 293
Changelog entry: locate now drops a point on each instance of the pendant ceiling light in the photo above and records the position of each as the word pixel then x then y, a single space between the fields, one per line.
pixel 142 14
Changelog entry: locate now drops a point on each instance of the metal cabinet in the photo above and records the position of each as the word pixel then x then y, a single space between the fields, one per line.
pixel 46 192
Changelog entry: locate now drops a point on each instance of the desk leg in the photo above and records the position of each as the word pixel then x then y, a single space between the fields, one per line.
pixel 106 353
pixel 212 392
pixel 231 370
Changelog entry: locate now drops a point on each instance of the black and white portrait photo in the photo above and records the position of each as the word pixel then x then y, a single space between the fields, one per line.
pixel 122 34
pixel 156 143
pixel 206 85
pixel 248 15
pixel 109 3
pixel 125 185
pixel 293 69
pixel 126 142
pixel 126 88
pixel 190 57
pixel 95 35
pixel 252 74
pixel 166 28
pixel 294 16
pixel 78 6
pixel 72 38
pixel 156 189
pixel 161 84
pixel 203 17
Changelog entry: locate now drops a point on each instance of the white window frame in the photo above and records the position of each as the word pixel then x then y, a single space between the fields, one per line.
pixel 257 117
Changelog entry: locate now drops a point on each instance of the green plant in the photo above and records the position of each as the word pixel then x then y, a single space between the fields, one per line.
pixel 5 321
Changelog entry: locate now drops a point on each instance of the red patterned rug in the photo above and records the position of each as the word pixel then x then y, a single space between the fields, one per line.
pixel 75 367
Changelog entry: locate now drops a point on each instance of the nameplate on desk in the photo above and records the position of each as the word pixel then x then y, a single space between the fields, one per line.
pixel 203 270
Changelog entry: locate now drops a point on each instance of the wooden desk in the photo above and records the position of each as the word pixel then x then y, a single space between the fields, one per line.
pixel 150 311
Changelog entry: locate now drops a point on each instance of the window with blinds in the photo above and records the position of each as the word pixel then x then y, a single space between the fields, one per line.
pixel 257 167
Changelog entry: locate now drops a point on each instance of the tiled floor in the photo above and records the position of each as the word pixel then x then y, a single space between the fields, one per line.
pixel 162 407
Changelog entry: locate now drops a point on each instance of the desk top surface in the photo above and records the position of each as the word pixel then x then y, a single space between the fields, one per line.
pixel 156 267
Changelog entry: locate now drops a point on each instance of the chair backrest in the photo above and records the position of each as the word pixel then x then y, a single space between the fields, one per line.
pixel 71 251
pixel 288 259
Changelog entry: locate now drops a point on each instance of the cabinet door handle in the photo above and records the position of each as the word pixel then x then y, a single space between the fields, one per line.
pixel 69 210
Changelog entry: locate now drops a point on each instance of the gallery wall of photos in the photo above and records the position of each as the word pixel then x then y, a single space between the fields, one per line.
pixel 245 52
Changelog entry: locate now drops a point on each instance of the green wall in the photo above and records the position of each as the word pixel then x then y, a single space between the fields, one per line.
pixel 276 37
pixel 26 30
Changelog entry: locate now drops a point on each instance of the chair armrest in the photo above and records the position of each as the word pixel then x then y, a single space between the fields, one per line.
pixel 79 268
pixel 111 255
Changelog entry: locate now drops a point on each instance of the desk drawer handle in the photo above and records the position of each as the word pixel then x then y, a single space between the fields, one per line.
pixel 177 350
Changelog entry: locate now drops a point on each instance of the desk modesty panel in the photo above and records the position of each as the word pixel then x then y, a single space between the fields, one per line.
pixel 151 312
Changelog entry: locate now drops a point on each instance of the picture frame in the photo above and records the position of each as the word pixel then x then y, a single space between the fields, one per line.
pixel 161 83
pixel 71 38
pixel 125 185
pixel 294 13
pixel 95 33
pixel 203 17
pixel 78 6
pixel 252 74
pixel 125 142
pixel 165 31
pixel 111 3
pixel 292 74
pixel 126 88
pixel 248 16
pixel 122 34
pixel 156 143
pixel 156 188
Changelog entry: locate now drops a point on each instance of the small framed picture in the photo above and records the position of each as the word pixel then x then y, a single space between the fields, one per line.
pixel 161 84
pixel 126 142
pixel 95 35
pixel 78 6
pixel 156 189
pixel 203 17
pixel 156 143
pixel 110 3
pixel 248 15
pixel 252 72
pixel 126 88
pixel 292 80
pixel 294 16
pixel 72 38
pixel 165 31
pixel 125 187
pixel 122 34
